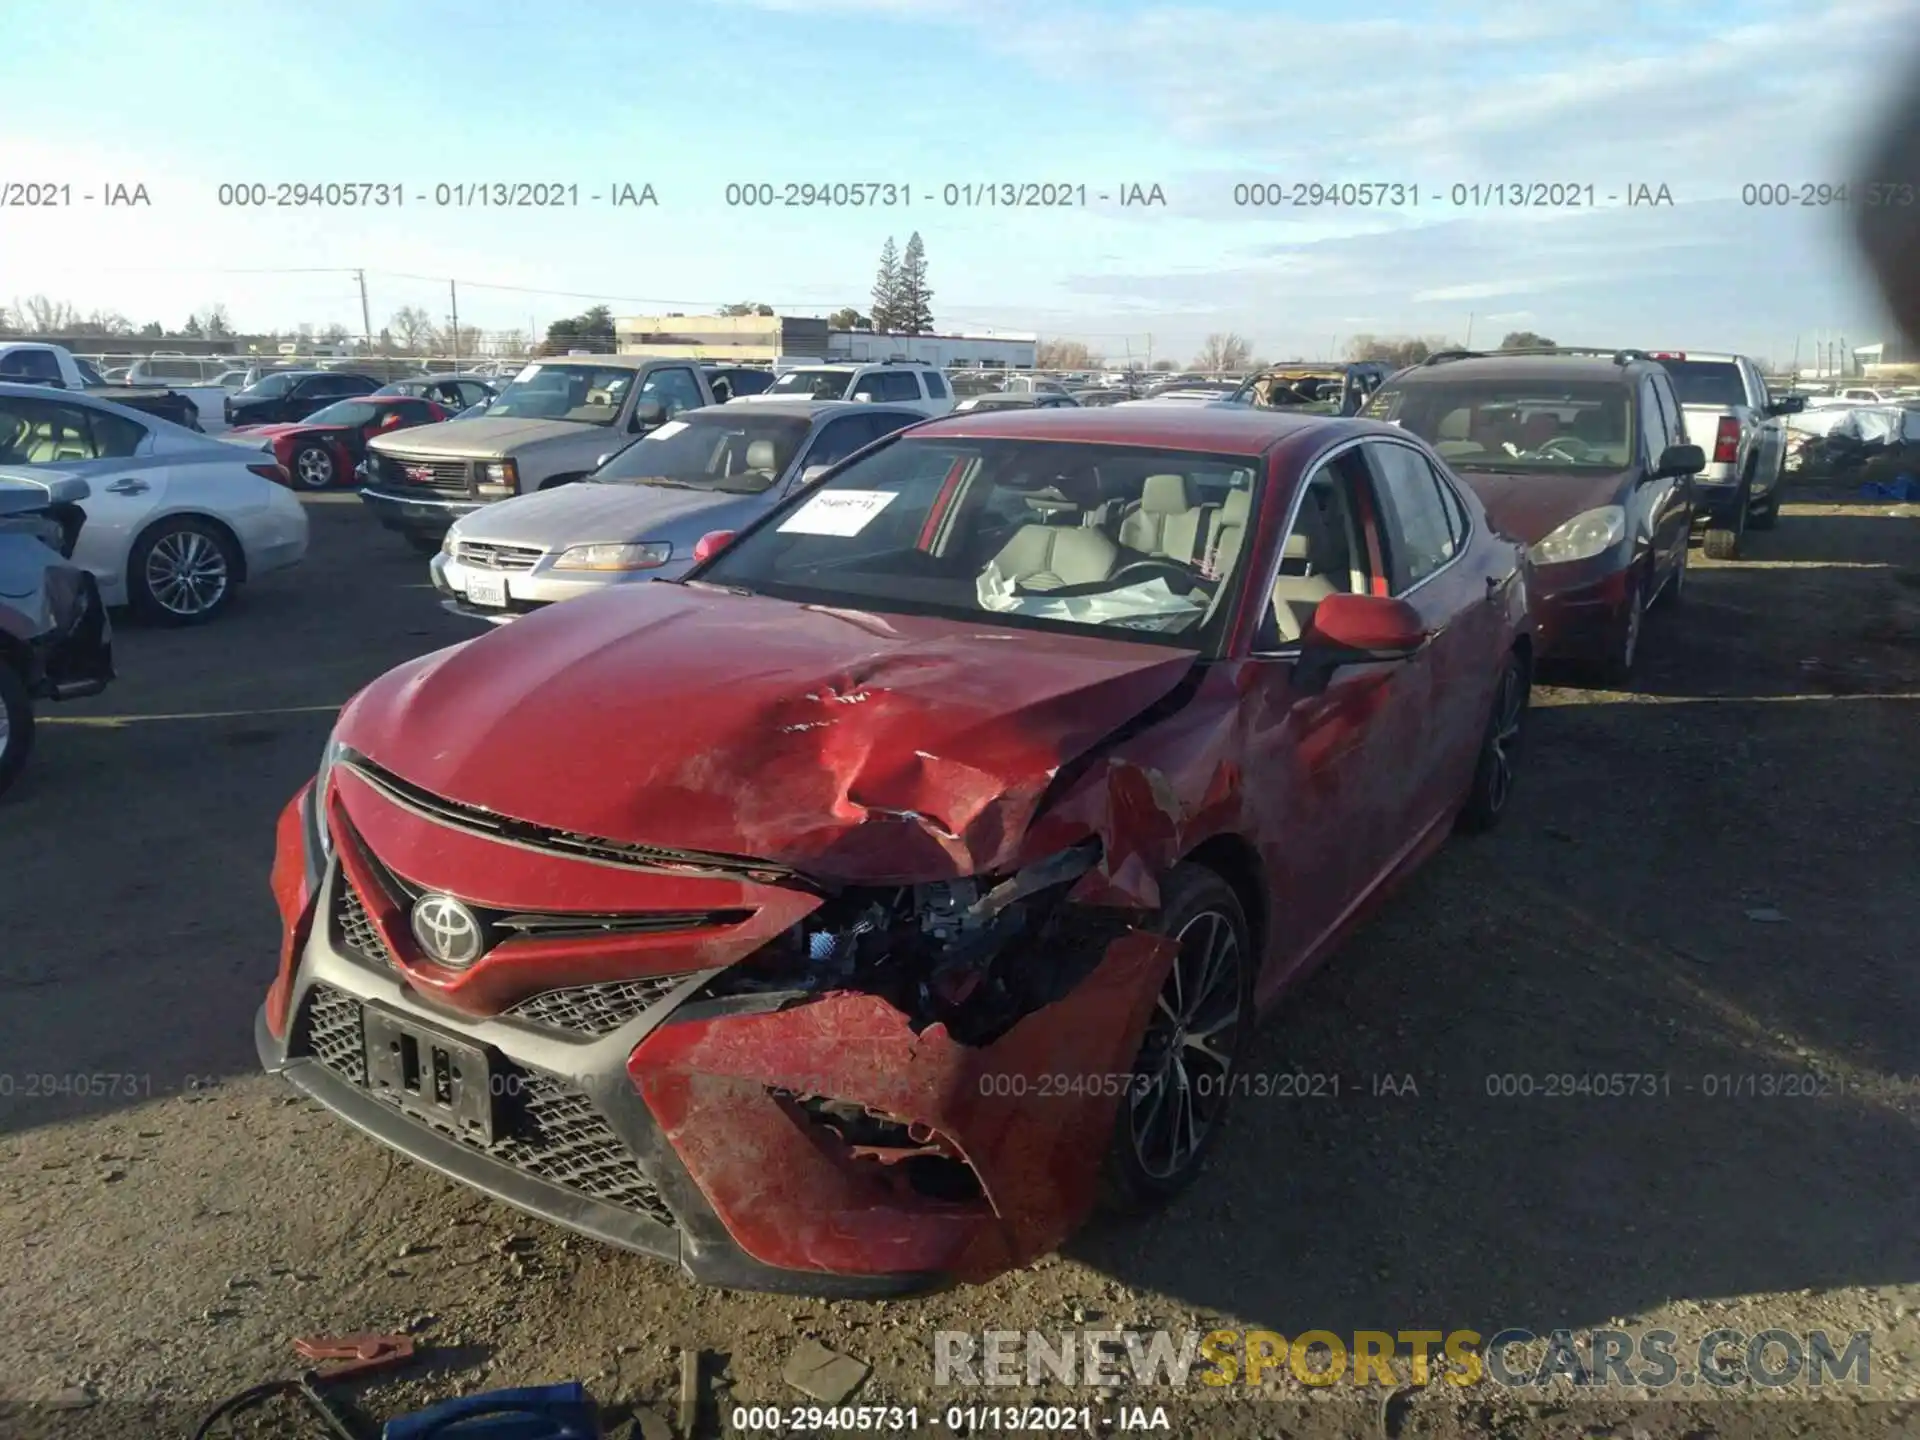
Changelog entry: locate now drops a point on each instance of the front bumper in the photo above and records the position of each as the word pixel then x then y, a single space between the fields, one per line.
pixel 415 514
pixel 1579 618
pixel 678 1132
pixel 75 658
pixel 528 590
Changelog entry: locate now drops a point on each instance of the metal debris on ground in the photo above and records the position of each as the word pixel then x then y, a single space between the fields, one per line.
pixel 689 1391
pixel 826 1375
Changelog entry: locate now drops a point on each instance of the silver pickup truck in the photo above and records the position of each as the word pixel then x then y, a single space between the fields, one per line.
pixel 1730 415
pixel 553 424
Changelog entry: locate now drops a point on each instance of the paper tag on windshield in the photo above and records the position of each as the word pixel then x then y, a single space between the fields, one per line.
pixel 666 431
pixel 527 374
pixel 837 512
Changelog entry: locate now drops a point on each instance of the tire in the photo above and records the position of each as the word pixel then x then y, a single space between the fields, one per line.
pixel 16 725
pixel 425 544
pixel 182 571
pixel 1141 1172
pixel 313 467
pixel 1725 530
pixel 1493 772
pixel 1617 669
pixel 1767 518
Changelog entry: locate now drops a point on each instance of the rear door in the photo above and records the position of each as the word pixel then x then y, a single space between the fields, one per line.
pixel 1444 693
pixel 103 449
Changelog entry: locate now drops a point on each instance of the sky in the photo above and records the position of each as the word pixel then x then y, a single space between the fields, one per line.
pixel 1441 108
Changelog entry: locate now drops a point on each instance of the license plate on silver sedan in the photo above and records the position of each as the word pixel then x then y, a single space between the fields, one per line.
pixel 488 590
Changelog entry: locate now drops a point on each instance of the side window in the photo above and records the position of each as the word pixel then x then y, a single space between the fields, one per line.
pixel 466 392
pixel 1670 411
pixel 114 436
pixel 937 385
pixel 414 412
pixel 1415 516
pixel 1457 522
pixel 355 384
pixel 674 388
pixel 1652 423
pixel 40 432
pixel 888 421
pixel 900 385
pixel 867 385
pixel 35 367
pixel 1324 553
pixel 1756 384
pixel 840 439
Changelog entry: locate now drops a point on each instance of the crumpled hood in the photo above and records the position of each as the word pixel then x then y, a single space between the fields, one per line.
pixel 487 435
pixel 843 743
pixel 587 513
pixel 1532 504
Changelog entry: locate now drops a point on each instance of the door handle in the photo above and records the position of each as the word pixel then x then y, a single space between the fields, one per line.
pixel 129 487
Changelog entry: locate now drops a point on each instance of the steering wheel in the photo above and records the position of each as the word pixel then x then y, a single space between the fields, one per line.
pixel 1182 578
pixel 1581 449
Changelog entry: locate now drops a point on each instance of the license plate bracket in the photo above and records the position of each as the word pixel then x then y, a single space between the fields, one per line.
pixel 489 590
pixel 429 1074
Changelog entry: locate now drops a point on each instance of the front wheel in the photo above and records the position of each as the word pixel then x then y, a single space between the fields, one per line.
pixel 16 725
pixel 182 572
pixel 1617 669
pixel 425 544
pixel 1189 1057
pixel 313 467
pixel 1493 773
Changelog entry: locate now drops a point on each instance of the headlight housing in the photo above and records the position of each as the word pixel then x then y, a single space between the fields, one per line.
pixel 645 555
pixel 1594 532
pixel 322 834
pixel 500 472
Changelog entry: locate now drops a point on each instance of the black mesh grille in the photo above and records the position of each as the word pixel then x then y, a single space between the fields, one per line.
pixel 357 930
pixel 594 1009
pixel 330 1032
pixel 551 1130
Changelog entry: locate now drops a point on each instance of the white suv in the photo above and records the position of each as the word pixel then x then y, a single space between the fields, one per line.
pixel 912 384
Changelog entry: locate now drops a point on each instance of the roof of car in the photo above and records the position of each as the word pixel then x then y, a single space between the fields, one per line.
pixel 1534 366
pixel 439 377
pixel 1236 431
pixel 802 409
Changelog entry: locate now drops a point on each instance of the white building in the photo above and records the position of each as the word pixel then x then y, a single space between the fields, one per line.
pixel 998 349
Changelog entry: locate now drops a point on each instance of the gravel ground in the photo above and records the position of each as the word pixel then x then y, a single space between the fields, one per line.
pixel 1705 880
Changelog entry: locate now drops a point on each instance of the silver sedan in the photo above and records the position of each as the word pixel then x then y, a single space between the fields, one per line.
pixel 641 515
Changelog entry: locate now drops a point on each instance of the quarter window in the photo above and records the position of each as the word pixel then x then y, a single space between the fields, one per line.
pixel 1652 425
pixel 674 388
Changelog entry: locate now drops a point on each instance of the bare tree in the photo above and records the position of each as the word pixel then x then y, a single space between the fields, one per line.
pixel 40 315
pixel 1397 350
pixel 1064 355
pixel 1223 351
pixel 411 325
pixel 334 334
pixel 510 342
pixel 1164 366
pixel 213 322
pixel 746 307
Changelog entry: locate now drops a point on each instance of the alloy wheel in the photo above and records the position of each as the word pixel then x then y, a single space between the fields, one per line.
pixel 1187 1060
pixel 314 468
pixel 1503 741
pixel 186 573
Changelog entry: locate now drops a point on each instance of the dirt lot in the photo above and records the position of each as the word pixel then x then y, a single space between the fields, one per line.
pixel 1708 880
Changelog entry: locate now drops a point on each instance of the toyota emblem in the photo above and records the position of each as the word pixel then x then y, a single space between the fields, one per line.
pixel 447 930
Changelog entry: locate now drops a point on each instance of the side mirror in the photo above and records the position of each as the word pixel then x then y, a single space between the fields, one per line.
pixel 649 413
pixel 1681 460
pixel 1788 405
pixel 812 473
pixel 1357 630
pixel 710 545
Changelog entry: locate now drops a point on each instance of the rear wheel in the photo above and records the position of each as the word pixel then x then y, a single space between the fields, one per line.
pixel 1493 775
pixel 182 572
pixel 313 467
pixel 1195 1037
pixel 1726 528
pixel 16 725
pixel 1766 516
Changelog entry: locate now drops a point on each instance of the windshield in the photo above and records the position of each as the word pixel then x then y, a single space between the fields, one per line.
pixel 1132 542
pixel 346 412
pixel 589 394
pixel 812 384
pixel 269 387
pixel 1515 424
pixel 740 455
pixel 1707 382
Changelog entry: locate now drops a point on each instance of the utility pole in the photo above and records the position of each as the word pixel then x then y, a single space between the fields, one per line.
pixel 453 294
pixel 1468 345
pixel 1149 350
pixel 366 316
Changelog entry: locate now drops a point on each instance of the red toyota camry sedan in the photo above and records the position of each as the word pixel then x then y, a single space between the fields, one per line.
pixel 845 917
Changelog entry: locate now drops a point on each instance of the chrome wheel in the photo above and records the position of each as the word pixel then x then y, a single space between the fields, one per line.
pixel 186 573
pixel 313 468
pixel 1186 1063
pixel 1503 741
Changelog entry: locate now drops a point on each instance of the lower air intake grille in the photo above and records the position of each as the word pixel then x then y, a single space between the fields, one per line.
pixel 594 1009
pixel 551 1130
pixel 357 930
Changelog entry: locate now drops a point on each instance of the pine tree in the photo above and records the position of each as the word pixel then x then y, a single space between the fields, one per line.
pixel 886 290
pixel 916 300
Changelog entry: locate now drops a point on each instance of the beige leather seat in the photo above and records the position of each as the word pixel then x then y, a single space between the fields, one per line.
pixel 761 457
pixel 1228 532
pixel 1046 557
pixel 1319 565
pixel 1167 522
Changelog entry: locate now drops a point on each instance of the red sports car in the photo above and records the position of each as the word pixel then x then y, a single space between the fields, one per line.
pixel 326 448
pixel 835 919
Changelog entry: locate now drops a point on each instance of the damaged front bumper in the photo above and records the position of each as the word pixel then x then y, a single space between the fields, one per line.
pixel 74 657
pixel 772 1116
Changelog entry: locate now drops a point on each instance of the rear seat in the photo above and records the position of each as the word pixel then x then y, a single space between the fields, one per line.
pixel 1166 522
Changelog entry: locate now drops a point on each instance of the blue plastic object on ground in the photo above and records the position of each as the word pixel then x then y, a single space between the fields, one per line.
pixel 532 1412
pixel 1902 487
